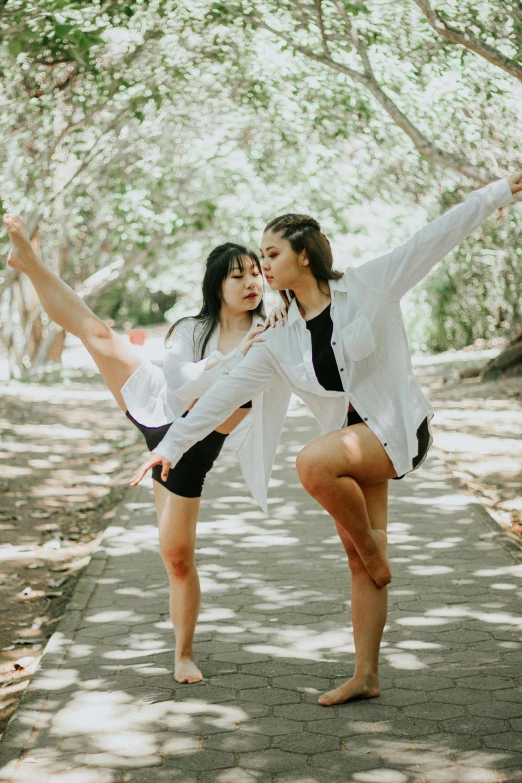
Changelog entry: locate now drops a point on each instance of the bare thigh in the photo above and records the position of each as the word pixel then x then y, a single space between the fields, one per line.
pixel 177 520
pixel 351 451
pixel 114 357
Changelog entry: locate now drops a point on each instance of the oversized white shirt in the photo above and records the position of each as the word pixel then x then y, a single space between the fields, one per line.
pixel 369 342
pixel 160 395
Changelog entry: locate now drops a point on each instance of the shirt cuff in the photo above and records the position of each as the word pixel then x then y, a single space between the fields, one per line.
pixel 502 193
pixel 224 365
pixel 172 455
pixel 498 193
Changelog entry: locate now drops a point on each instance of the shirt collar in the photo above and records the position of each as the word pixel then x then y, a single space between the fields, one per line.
pixel 293 311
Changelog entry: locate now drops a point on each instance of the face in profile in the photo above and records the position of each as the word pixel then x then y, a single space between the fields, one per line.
pixel 282 266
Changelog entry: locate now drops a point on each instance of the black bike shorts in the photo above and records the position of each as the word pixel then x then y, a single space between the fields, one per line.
pixel 188 476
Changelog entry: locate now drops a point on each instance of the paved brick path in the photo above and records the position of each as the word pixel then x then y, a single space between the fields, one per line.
pixel 274 632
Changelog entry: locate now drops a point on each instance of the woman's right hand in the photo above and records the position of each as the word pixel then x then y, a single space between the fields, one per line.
pixel 153 459
pixel 249 339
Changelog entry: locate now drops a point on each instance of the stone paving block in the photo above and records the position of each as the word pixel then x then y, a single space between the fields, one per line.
pixel 271 696
pixel 486 683
pixel 116 761
pixel 203 692
pixel 475 725
pixel 423 682
pixel 345 762
pixel 237 742
pixel 87 776
pixel 200 760
pixel 301 682
pixel 468 775
pixel 270 668
pixel 239 681
pixel 157 775
pixel 490 758
pixel 461 696
pixel 435 711
pixel 510 775
pixel 236 775
pixel 504 710
pixel 511 740
pixel 272 727
pixel 307 742
pixel 272 761
pixel 317 776
pixel 397 697
pixel 307 712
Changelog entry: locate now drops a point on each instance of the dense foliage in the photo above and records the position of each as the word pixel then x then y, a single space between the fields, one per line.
pixel 140 133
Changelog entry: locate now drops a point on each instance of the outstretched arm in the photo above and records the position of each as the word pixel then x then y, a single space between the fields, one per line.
pixel 257 372
pixel 189 379
pixel 396 272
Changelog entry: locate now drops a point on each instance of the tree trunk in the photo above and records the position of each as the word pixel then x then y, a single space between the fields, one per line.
pixel 509 359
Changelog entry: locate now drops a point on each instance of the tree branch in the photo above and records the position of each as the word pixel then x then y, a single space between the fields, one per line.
pixel 319 12
pixel 470 41
pixel 367 79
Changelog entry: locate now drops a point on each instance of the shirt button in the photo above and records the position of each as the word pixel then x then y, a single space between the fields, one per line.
pixel 334 343
pixel 385 444
pixel 366 419
pixel 342 369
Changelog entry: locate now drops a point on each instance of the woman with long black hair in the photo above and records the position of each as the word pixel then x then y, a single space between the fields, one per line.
pixel 201 350
pixel 344 351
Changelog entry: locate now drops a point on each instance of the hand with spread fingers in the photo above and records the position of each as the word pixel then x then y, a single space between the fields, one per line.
pixel 249 339
pixel 153 459
pixel 277 316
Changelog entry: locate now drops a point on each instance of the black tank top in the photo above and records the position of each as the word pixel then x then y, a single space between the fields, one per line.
pixel 323 357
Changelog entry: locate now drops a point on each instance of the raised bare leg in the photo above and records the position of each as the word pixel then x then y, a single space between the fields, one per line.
pixel 177 518
pixel 113 355
pixel 369 609
pixel 332 469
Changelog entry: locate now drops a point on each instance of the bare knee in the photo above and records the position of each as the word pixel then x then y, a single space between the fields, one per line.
pixel 178 560
pixel 311 470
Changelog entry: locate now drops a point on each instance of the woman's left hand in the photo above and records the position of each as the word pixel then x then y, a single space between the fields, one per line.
pixel 277 315
pixel 515 183
pixel 153 459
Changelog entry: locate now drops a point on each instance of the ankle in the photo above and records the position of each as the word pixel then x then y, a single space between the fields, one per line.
pixel 184 655
pixel 366 675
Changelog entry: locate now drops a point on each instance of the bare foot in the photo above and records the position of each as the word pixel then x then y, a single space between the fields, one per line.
pixel 22 254
pixel 355 688
pixel 186 671
pixel 376 560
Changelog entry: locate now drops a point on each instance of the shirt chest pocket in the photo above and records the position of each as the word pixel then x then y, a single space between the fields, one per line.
pixel 358 339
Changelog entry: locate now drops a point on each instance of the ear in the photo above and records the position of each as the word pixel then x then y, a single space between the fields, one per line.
pixel 303 258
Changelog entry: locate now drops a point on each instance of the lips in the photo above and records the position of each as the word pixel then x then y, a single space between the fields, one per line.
pixel 251 296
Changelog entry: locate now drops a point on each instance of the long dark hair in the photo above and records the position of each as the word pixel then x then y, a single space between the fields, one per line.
pixel 304 233
pixel 219 264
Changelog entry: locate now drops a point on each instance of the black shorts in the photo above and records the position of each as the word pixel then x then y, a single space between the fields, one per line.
pixel 423 439
pixel 188 476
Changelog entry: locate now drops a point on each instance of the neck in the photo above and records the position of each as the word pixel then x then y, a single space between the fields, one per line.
pixel 312 299
pixel 235 321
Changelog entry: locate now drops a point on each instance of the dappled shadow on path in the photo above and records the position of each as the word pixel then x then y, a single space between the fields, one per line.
pixel 274 632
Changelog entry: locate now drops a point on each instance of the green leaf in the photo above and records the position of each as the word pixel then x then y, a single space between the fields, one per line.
pixel 15 46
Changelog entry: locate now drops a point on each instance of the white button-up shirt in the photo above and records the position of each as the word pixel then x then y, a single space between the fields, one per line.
pixel 369 342
pixel 160 395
